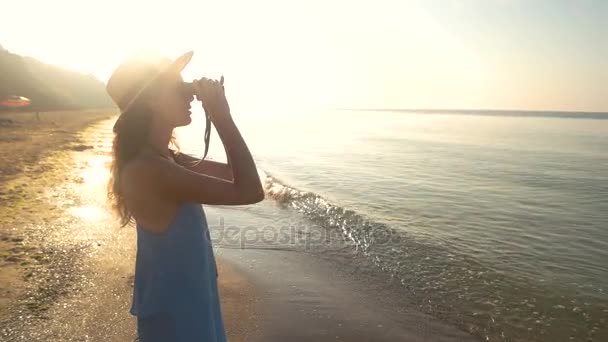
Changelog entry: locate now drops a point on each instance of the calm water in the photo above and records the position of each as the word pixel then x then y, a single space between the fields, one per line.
pixel 498 224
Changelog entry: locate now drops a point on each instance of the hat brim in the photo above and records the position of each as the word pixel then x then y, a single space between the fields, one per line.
pixel 173 67
pixel 180 62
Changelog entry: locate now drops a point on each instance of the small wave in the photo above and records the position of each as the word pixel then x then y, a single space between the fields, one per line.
pixel 360 230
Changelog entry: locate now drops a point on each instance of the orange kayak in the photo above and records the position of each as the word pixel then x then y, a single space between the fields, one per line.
pixel 15 101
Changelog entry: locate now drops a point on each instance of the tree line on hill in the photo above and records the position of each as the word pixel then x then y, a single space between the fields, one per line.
pixel 49 87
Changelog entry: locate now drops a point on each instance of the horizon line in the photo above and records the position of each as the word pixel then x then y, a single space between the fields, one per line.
pixel 453 110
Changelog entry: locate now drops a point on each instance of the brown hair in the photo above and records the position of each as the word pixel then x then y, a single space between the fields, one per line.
pixel 131 132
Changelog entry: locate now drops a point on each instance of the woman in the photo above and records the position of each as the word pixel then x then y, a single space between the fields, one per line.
pixel 175 295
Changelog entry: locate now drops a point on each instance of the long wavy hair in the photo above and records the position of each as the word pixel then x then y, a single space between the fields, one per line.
pixel 131 132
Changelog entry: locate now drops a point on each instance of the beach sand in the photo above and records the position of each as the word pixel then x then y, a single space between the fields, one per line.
pixel 28 147
pixel 67 268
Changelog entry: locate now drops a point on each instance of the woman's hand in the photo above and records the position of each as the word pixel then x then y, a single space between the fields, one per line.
pixel 211 94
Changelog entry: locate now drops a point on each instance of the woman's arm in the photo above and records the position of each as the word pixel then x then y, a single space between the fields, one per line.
pixel 244 171
pixel 161 176
pixel 206 167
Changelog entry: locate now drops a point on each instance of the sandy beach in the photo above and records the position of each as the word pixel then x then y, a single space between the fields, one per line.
pixel 67 267
pixel 33 157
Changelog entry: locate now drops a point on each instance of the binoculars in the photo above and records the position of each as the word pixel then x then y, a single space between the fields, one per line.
pixel 187 88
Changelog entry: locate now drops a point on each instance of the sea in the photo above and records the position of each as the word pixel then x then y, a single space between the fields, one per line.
pixel 494 221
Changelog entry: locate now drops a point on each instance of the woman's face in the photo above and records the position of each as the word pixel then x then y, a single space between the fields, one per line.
pixel 171 104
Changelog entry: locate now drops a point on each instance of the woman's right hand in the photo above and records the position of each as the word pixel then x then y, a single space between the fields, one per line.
pixel 211 93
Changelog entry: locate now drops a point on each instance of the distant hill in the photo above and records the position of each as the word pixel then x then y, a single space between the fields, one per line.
pixel 49 87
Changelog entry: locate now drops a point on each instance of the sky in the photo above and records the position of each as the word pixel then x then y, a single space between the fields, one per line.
pixel 460 54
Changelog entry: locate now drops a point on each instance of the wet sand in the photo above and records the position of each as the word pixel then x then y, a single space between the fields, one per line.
pixel 30 163
pixel 301 297
pixel 73 280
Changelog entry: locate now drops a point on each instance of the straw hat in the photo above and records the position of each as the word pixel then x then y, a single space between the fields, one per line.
pixel 132 77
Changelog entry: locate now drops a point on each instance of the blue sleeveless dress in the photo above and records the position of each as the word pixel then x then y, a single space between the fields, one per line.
pixel 176 280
